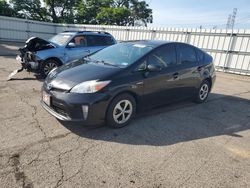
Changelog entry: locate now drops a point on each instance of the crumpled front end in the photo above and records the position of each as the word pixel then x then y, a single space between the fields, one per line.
pixel 28 58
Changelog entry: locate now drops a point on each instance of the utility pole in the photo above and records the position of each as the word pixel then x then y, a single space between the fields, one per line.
pixel 231 19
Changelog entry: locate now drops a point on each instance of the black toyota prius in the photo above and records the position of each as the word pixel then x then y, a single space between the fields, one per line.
pixel 113 84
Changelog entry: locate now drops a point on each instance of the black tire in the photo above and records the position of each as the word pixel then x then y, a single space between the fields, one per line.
pixel 203 92
pixel 46 65
pixel 120 100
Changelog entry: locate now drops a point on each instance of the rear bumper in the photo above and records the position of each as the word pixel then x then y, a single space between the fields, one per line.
pixel 87 108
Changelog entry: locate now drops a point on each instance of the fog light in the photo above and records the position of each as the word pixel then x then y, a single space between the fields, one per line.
pixel 85 110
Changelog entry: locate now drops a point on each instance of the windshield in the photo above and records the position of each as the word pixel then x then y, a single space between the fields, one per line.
pixel 60 39
pixel 122 54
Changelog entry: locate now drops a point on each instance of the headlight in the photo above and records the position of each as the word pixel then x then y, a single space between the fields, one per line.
pixel 89 86
pixel 52 73
pixel 53 70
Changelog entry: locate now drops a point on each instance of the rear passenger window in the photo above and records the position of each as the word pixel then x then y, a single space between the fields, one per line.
pixel 186 55
pixel 165 56
pixel 109 40
pixel 95 40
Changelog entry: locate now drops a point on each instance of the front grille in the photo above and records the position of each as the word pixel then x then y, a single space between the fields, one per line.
pixel 58 90
pixel 59 108
pixel 60 111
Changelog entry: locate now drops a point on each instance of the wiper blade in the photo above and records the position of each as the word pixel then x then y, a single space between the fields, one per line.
pixel 86 58
pixel 107 63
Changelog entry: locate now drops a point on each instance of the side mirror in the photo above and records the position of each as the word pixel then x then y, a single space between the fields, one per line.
pixel 71 45
pixel 153 68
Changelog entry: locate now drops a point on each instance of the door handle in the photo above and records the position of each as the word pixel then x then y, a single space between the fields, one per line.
pixel 175 75
pixel 139 83
pixel 136 85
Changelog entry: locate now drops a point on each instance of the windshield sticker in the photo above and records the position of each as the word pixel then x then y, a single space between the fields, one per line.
pixel 124 63
pixel 139 45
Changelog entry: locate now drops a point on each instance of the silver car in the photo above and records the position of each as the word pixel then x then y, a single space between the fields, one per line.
pixel 41 56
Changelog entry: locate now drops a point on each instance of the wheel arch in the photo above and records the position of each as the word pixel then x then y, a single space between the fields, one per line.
pixel 134 95
pixel 42 64
pixel 56 59
pixel 209 79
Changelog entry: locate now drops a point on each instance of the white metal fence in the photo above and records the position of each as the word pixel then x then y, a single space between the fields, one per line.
pixel 230 49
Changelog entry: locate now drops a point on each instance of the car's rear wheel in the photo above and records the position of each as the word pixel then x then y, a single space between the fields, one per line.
pixel 203 92
pixel 48 65
pixel 121 110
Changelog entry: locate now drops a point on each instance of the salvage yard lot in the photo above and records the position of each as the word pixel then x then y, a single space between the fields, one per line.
pixel 181 145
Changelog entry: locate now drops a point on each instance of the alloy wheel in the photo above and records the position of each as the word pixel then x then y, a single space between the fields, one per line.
pixel 122 111
pixel 48 67
pixel 203 91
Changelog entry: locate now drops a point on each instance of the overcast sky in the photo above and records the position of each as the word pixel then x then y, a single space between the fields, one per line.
pixel 193 13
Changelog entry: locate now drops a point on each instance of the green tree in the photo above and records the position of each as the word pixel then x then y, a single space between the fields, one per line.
pixel 117 12
pixel 61 11
pixel 139 11
pixel 113 16
pixel 87 10
pixel 57 11
pixel 6 10
pixel 30 9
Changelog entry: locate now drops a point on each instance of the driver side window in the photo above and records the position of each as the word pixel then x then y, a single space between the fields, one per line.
pixel 150 60
pixel 79 41
pixel 142 66
pixel 156 60
pixel 163 57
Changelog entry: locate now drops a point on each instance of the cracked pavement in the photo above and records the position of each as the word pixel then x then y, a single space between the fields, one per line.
pixel 180 145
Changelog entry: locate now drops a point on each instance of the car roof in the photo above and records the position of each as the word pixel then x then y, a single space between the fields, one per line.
pixel 86 33
pixel 153 43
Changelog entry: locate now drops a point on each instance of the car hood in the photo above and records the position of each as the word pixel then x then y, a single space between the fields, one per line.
pixel 34 44
pixel 71 74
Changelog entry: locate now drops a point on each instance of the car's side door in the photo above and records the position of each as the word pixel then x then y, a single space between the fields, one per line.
pixel 159 85
pixel 76 48
pixel 187 70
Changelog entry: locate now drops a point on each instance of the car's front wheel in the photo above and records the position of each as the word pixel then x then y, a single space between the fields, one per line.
pixel 203 92
pixel 121 110
pixel 48 65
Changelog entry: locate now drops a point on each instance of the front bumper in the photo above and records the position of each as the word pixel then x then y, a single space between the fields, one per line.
pixel 87 108
pixel 28 62
pixel 54 113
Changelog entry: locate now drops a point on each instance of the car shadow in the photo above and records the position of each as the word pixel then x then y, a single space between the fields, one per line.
pixel 10 49
pixel 36 77
pixel 175 123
